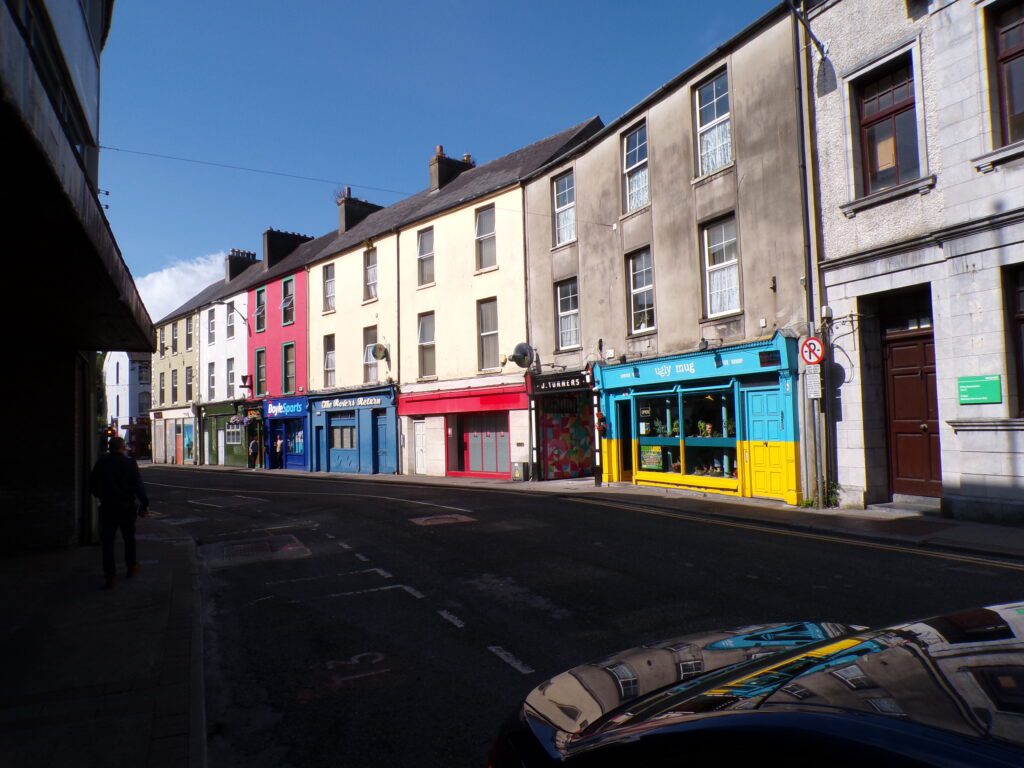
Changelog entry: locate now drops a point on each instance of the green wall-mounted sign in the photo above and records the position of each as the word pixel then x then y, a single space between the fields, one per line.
pixel 979 390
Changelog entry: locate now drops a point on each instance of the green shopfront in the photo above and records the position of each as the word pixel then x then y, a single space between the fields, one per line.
pixel 223 434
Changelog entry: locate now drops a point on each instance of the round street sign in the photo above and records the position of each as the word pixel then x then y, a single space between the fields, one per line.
pixel 812 351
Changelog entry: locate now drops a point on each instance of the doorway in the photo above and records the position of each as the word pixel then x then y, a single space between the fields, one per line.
pixel 912 412
pixel 420 442
pixel 624 422
pixel 764 414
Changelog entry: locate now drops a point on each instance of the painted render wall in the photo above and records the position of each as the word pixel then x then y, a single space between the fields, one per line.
pixel 181 360
pixel 275 334
pixel 458 286
pixel 352 314
pixel 761 187
pixel 224 348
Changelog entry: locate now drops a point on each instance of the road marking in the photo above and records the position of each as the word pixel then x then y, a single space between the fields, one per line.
pixel 452 618
pixel 261 599
pixel 442 519
pixel 364 674
pixel 184 520
pixel 330 535
pixel 296 581
pixel 229 534
pixel 205 504
pixel 343 545
pixel 511 660
pixel 379 571
pixel 415 593
pixel 804 535
pixel 252 498
pixel 360 557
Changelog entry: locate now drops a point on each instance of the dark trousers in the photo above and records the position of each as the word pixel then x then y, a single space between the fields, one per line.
pixel 111 519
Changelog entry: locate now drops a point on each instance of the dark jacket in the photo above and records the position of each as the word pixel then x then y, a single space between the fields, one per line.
pixel 116 482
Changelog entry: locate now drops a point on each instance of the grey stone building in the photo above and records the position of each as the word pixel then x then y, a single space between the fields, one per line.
pixel 917 117
pixel 667 257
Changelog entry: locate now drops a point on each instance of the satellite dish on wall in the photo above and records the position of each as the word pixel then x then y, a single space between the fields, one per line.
pixel 522 355
pixel 380 351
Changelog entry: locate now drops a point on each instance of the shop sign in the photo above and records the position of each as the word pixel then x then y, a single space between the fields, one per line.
pixel 569 381
pixel 979 390
pixel 253 413
pixel 285 409
pixel 352 402
pixel 650 457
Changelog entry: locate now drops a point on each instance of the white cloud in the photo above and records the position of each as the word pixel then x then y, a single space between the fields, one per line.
pixel 166 290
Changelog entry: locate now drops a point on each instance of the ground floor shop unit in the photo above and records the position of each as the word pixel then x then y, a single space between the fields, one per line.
pixel 355 431
pixel 174 436
pixel 467 431
pixel 927 345
pixel 562 408
pixel 717 421
pixel 286 425
pixel 224 436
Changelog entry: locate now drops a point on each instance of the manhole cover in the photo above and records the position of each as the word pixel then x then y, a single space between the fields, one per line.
pixel 442 519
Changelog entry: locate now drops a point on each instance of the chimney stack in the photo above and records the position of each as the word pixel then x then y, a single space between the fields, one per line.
pixel 443 168
pixel 352 210
pixel 278 244
pixel 236 262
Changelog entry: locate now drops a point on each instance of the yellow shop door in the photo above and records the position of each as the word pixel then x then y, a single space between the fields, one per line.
pixel 765 452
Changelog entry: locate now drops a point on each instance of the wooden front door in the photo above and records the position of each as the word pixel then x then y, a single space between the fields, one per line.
pixel 913 414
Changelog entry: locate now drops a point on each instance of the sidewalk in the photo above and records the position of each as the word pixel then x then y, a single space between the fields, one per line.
pixel 103 678
pixel 897 525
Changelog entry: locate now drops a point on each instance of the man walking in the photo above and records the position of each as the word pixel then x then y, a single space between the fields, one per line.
pixel 254 453
pixel 115 481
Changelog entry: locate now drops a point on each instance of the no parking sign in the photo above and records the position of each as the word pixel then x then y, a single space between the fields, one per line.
pixel 812 351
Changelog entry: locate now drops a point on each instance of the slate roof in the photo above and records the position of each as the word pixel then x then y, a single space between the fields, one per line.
pixel 469 185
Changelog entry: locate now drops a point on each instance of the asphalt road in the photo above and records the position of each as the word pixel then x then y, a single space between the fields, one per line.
pixel 352 623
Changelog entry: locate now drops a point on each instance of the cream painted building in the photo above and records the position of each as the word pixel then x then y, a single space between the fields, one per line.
pixel 175 363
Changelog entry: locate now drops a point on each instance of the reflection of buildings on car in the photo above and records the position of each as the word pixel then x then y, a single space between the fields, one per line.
pixel 672 241
pixel 126 377
pixel 921 205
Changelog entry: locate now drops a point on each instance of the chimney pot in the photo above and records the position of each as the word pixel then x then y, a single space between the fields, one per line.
pixel 439 151
pixel 467 159
pixel 348 191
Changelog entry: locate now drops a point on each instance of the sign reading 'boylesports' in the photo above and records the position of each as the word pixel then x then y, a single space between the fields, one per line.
pixel 285 409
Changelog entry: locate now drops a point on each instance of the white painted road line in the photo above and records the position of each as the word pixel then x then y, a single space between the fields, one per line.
pixel 343 545
pixel 296 581
pixel 379 571
pixel 511 660
pixel 451 617
pixel 362 558
pixel 261 599
pixel 330 535
pixel 410 590
pixel 252 498
pixel 205 504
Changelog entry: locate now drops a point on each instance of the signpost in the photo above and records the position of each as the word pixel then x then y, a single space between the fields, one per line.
pixel 812 351
pixel 812 381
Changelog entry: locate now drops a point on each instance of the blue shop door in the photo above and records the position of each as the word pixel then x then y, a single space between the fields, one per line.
pixel 766 463
pixel 295 444
pixel 380 447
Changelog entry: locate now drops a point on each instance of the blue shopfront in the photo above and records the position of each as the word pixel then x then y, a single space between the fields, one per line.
pixel 287 419
pixel 356 431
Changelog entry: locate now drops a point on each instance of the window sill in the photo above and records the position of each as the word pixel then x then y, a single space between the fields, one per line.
pixel 987 163
pixel 285 325
pixel 922 186
pixel 642 334
pixel 721 317
pixel 488 371
pixel 567 350
pixel 485 270
pixel 328 312
pixel 370 301
pixel 427 378
pixel 637 212
pixel 987 425
pixel 563 246
pixel 700 180
pixel 425 285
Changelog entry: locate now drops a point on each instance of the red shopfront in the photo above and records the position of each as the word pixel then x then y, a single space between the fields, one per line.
pixel 482 433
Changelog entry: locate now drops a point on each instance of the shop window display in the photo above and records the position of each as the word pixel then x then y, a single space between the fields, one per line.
pixel 658 430
pixel 710 434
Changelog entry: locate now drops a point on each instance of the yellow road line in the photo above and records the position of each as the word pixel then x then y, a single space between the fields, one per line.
pixel 851 541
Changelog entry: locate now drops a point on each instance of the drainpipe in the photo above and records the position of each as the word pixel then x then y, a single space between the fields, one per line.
pixel 531 447
pixel 399 432
pixel 798 74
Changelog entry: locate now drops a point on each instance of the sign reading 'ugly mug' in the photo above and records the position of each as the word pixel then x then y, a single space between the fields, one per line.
pixel 979 390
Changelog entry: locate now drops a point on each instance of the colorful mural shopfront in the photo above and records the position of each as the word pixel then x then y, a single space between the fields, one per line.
pixel 286 418
pixel 355 431
pixel 719 421
pixel 563 415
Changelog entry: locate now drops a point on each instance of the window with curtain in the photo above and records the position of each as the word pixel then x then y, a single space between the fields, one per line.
pixel 567 298
pixel 288 301
pixel 721 268
pixel 428 362
pixel 888 127
pixel 211 326
pixel 641 291
pixel 230 325
pixel 288 368
pixel 329 360
pixel 328 280
pixel 369 361
pixel 211 378
pixel 486 246
pixel 370 274
pixel 261 309
pixel 634 168
pixel 425 257
pixel 565 208
pixel 261 372
pixel 487 324
pixel 229 377
pixel 714 126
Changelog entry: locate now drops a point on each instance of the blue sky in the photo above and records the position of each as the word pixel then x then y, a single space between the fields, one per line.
pixel 354 92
